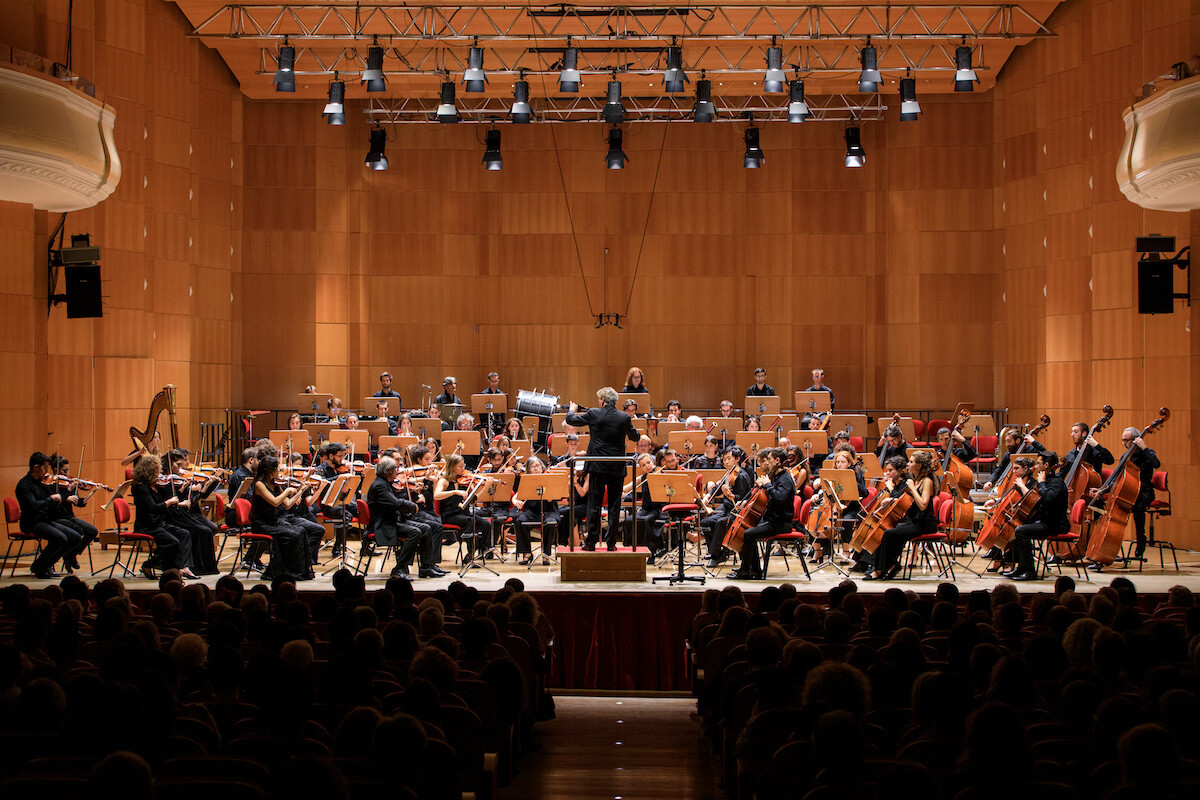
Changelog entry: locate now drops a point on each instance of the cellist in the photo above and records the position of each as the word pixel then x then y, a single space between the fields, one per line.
pixel 1145 461
pixel 961 448
pixel 1012 443
pixel 919 520
pixel 732 491
pixel 776 519
pixel 1047 518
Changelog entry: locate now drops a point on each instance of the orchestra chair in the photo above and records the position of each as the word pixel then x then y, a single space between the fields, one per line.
pixel 455 529
pixel 679 516
pixel 136 541
pixel 1160 506
pixel 935 545
pixel 1070 539
pixel 931 429
pixel 857 443
pixel 986 447
pixel 219 507
pixel 12 516
pixel 364 519
pixel 919 429
pixel 793 539
pixel 241 510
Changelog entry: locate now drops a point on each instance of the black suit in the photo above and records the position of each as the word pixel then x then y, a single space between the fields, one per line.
pixel 609 429
pixel 391 530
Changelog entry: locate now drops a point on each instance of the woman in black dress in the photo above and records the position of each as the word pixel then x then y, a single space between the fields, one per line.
pixel 267 503
pixel 170 550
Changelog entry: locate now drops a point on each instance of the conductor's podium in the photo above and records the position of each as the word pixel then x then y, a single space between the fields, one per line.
pixel 622 565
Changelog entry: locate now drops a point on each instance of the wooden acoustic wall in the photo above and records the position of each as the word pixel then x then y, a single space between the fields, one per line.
pixel 1071 339
pixel 883 275
pixel 167 241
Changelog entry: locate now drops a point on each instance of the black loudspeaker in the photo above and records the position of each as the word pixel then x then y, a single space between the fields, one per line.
pixel 83 292
pixel 1156 287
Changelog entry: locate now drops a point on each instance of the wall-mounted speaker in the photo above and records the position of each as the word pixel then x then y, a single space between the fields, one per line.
pixel 83 292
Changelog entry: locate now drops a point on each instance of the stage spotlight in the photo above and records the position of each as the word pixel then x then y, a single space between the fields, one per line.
pixel 674 77
pixel 964 75
pixel 704 110
pixel 568 76
pixel 335 109
pixel 446 111
pixel 285 72
pixel 616 156
pixel 855 155
pixel 491 153
pixel 910 109
pixel 474 79
pixel 376 160
pixel 797 108
pixel 775 78
pixel 521 111
pixel 754 157
pixel 614 111
pixel 372 76
pixel 869 79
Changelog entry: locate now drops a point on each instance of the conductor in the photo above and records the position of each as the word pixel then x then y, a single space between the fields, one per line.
pixel 609 430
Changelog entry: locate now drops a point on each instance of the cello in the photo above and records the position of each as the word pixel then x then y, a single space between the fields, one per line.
pixel 1006 479
pixel 1121 488
pixel 885 514
pixel 749 513
pixel 1009 513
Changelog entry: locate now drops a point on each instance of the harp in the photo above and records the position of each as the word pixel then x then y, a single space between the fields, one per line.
pixel 163 401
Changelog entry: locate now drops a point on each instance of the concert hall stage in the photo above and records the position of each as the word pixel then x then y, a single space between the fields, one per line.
pixel 629 636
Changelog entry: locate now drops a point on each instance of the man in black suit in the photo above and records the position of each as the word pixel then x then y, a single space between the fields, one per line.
pixel 393 521
pixel 609 429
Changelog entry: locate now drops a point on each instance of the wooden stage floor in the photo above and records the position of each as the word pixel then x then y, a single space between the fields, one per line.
pixel 1153 579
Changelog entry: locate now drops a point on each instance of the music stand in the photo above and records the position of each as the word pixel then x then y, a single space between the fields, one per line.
pixel 664 431
pixel 320 431
pixel 854 424
pixel 490 410
pixel 427 428
pixel 393 405
pixel 687 443
pixel 548 486
pixel 359 440
pixel 642 426
pixel 497 490
pixel 313 405
pixel 558 445
pixel 377 428
pixel 672 488
pixel 813 403
pixel 401 442
pixel 843 485
pixel 470 440
pixel 753 441
pixel 762 405
pixel 779 423
pixel 812 443
pixel 292 441
pixel 905 424
pixel 643 399
pixel 979 425
pixel 475 557
pixel 523 448
pixel 726 431
pixel 872 471
pixel 339 489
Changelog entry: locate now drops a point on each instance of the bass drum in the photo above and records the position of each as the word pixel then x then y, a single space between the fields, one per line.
pixel 540 405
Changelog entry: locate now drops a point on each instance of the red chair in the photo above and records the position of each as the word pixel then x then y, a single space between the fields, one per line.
pixel 986 447
pixel 12 516
pixel 793 539
pixel 857 443
pixel 1070 540
pixel 933 427
pixel 246 535
pixel 455 529
pixel 136 541
pixel 1160 506
pixel 935 546
pixel 364 519
pixel 919 432
pixel 226 530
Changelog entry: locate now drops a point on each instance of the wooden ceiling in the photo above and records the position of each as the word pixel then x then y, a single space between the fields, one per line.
pixel 425 44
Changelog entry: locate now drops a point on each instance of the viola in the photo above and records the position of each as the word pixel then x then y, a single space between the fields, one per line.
pixel 1120 492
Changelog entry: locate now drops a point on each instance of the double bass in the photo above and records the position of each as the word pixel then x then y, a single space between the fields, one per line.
pixel 1120 492
pixel 1006 479
pixel 1081 478
pixel 958 480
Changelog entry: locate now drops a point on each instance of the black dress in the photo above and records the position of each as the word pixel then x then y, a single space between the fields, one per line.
pixel 287 551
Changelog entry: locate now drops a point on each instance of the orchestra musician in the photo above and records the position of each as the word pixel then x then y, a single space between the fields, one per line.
pixel 610 429
pixel 1011 440
pixel 180 521
pixel 1048 516
pixel 579 488
pixel 776 519
pixel 1145 461
pixel 244 471
pixel 301 515
pixel 630 407
pixel 920 518
pixel 381 409
pixel 385 388
pixel 75 496
pixel 435 414
pixel 351 423
pixel 448 397
pixel 451 491
pixel 394 523
pixel 170 551
pixel 727 409
pixel 40 500
pixel 634 382
pixel 650 519
pixel 732 491
pixel 760 388
pixel 818 385
pixel 711 458
pixel 545 512
pixel 422 495
pixel 493 423
pixel 514 430
pixel 961 448
pixel 844 457
pixel 152 447
pixel 288 555
pixel 693 423
pixel 674 411
pixel 892 443
pixel 332 456
pixel 333 411
pixel 1094 454
pixel 752 424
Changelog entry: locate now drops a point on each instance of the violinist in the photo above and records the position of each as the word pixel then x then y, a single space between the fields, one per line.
pixel 919 520
pixel 76 496
pixel 891 443
pixel 650 518
pixel 711 458
pixel 179 520
pixel 634 382
pixel 420 491
pixel 452 489
pixel 332 456
pixel 1145 461
pixel 961 448
pixel 301 514
pixel 1094 454
pixel 1011 439
pixel 394 523
pixel 760 388
pixel 170 550
pixel 844 457
pixel 731 490
pixel 794 461
pixel 266 502
pixel 1048 516
pixel 204 558
pixel 644 446
pixel 40 500
pixel 776 518
pixel 495 462
pixel 545 512
pixel 610 429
